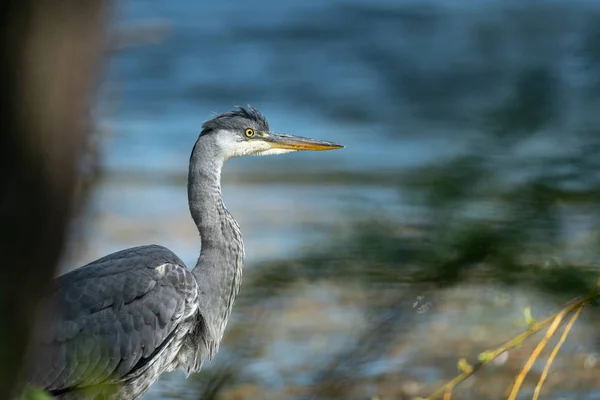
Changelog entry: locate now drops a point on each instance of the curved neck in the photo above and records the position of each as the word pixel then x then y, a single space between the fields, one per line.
pixel 219 267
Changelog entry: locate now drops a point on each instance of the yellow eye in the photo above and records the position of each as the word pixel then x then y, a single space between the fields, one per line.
pixel 249 132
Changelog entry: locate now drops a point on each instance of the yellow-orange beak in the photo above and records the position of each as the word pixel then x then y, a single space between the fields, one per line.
pixel 298 143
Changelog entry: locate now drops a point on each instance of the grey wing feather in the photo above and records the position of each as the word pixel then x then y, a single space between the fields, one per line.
pixel 109 316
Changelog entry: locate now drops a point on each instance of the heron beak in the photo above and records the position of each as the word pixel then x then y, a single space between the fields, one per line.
pixel 297 143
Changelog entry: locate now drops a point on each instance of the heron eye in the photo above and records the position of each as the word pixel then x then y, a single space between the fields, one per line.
pixel 249 132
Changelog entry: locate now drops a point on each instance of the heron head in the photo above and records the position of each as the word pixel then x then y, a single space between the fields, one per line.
pixel 245 131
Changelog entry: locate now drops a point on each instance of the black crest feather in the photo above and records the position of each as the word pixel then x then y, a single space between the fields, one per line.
pixel 240 118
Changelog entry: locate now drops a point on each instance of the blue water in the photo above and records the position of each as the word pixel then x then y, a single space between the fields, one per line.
pixel 357 72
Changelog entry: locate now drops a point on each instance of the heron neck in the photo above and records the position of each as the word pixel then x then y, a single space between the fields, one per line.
pixel 219 267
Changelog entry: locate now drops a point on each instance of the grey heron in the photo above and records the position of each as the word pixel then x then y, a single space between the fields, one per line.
pixel 116 324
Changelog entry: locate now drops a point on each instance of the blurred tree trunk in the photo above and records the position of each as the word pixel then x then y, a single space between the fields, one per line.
pixel 51 51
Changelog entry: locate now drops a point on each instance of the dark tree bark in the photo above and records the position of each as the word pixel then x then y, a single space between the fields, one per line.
pixel 50 52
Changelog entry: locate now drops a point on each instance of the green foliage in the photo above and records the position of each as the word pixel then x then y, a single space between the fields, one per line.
pixel 35 394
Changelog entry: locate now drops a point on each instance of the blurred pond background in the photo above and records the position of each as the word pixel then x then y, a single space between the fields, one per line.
pixel 469 187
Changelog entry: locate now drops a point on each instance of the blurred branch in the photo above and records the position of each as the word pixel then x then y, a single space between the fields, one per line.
pixel 563 337
pixel 51 52
pixel 536 352
pixel 487 356
pixel 338 377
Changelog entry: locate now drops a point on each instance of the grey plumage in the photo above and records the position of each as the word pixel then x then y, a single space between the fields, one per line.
pixel 111 316
pixel 111 328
